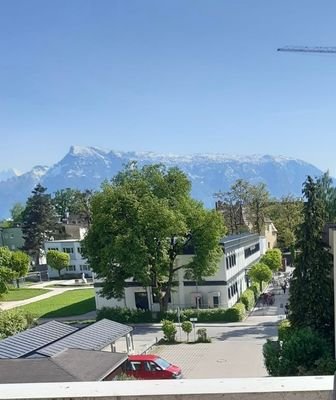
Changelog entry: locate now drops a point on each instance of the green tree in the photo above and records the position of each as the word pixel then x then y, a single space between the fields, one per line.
pixel 58 260
pixel 13 322
pixel 231 204
pixel 17 213
pixel 19 265
pixel 311 289
pixel 6 274
pixel 287 215
pixel 65 201
pixel 141 222
pixel 38 222
pixel 328 196
pixel 273 259
pixel 187 328
pixel 257 206
pixel 260 273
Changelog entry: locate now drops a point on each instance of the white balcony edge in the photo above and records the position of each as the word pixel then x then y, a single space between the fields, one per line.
pixel 253 388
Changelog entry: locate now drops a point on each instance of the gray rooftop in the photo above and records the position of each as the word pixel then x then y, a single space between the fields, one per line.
pixel 93 337
pixel 23 343
pixel 68 366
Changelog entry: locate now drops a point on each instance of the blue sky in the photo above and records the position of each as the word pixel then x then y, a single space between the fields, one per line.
pixel 180 76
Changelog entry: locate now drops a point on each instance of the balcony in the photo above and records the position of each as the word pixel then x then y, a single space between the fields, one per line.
pixel 289 388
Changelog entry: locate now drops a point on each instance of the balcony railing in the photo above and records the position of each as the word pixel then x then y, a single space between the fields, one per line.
pixel 292 388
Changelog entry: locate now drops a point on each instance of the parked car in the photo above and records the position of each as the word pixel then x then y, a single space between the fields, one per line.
pixel 148 366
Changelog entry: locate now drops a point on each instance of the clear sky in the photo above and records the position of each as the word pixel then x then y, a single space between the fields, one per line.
pixel 180 76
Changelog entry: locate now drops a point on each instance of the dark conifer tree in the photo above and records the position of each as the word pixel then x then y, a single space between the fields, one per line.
pixel 311 288
pixel 38 221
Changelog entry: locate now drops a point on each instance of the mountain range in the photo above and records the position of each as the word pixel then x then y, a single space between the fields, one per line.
pixel 86 168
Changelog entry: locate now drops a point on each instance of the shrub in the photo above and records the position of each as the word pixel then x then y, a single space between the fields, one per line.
pixel 303 352
pixel 255 288
pixel 284 329
pixel 169 330
pixel 248 299
pixel 202 336
pixel 13 322
pixel 187 328
pixel 273 259
pixel 125 315
pixel 236 313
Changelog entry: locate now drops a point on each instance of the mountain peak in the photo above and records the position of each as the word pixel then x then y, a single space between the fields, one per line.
pixel 86 151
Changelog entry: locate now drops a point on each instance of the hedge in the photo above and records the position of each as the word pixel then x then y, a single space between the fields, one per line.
pixel 284 328
pixel 248 299
pixel 125 315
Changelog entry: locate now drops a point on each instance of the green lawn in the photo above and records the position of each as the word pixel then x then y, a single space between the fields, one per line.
pixel 72 302
pixel 22 294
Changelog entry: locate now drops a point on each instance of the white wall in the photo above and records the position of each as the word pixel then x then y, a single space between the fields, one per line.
pixel 78 263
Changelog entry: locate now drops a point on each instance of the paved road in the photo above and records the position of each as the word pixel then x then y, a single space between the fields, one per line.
pixel 236 348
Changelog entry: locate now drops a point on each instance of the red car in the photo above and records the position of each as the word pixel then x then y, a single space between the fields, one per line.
pixel 148 366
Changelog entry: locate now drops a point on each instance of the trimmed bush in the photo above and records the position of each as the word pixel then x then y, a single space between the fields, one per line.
pixel 125 315
pixel 248 299
pixel 236 313
pixel 169 330
pixel 202 336
pixel 255 289
pixel 187 328
pixel 13 322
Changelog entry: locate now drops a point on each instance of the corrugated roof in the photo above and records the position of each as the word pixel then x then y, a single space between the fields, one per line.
pixel 93 337
pixel 32 339
pixel 67 366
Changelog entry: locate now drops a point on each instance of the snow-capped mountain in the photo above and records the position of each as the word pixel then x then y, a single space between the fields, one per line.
pixel 87 167
pixel 8 173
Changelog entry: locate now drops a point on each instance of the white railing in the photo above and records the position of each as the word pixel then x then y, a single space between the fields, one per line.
pixel 293 388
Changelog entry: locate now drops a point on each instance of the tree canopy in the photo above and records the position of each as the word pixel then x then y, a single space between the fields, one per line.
pixel 273 259
pixel 260 273
pixel 20 265
pixel 58 260
pixel 141 222
pixel 6 273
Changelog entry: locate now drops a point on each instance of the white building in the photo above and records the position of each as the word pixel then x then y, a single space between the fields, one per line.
pixel 78 264
pixel 223 289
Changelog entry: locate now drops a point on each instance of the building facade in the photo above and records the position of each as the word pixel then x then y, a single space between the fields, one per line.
pixel 11 238
pixel 78 264
pixel 223 289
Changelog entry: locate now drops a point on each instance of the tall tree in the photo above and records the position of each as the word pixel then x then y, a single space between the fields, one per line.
pixel 311 299
pixel 17 213
pixel 258 202
pixel 328 195
pixel 65 201
pixel 141 222
pixel 287 215
pixel 38 221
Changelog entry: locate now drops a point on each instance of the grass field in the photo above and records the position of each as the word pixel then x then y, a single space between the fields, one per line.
pixel 22 294
pixel 72 302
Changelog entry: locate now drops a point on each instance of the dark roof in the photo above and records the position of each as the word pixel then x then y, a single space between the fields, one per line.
pixel 93 337
pixel 68 366
pixel 236 241
pixel 33 339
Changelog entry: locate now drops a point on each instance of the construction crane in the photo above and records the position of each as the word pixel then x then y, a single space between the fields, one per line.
pixel 306 49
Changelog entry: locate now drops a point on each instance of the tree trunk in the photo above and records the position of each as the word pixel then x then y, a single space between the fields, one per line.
pixel 18 283
pixel 37 258
pixel 165 298
pixel 260 283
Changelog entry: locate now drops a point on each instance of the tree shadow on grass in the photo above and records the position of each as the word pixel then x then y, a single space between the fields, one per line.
pixel 79 308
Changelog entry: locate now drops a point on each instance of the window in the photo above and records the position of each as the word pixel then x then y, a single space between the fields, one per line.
pixel 68 250
pixel 53 248
pixel 79 249
pixel 215 301
pixel 84 267
pixel 162 363
pixel 229 293
pixel 133 366
pixel 150 366
pixel 71 268
pixel 12 236
pixel 251 250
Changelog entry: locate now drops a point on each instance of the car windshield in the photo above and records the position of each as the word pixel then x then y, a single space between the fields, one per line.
pixel 162 363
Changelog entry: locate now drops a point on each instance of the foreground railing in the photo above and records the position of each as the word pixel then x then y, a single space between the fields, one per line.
pixel 302 388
